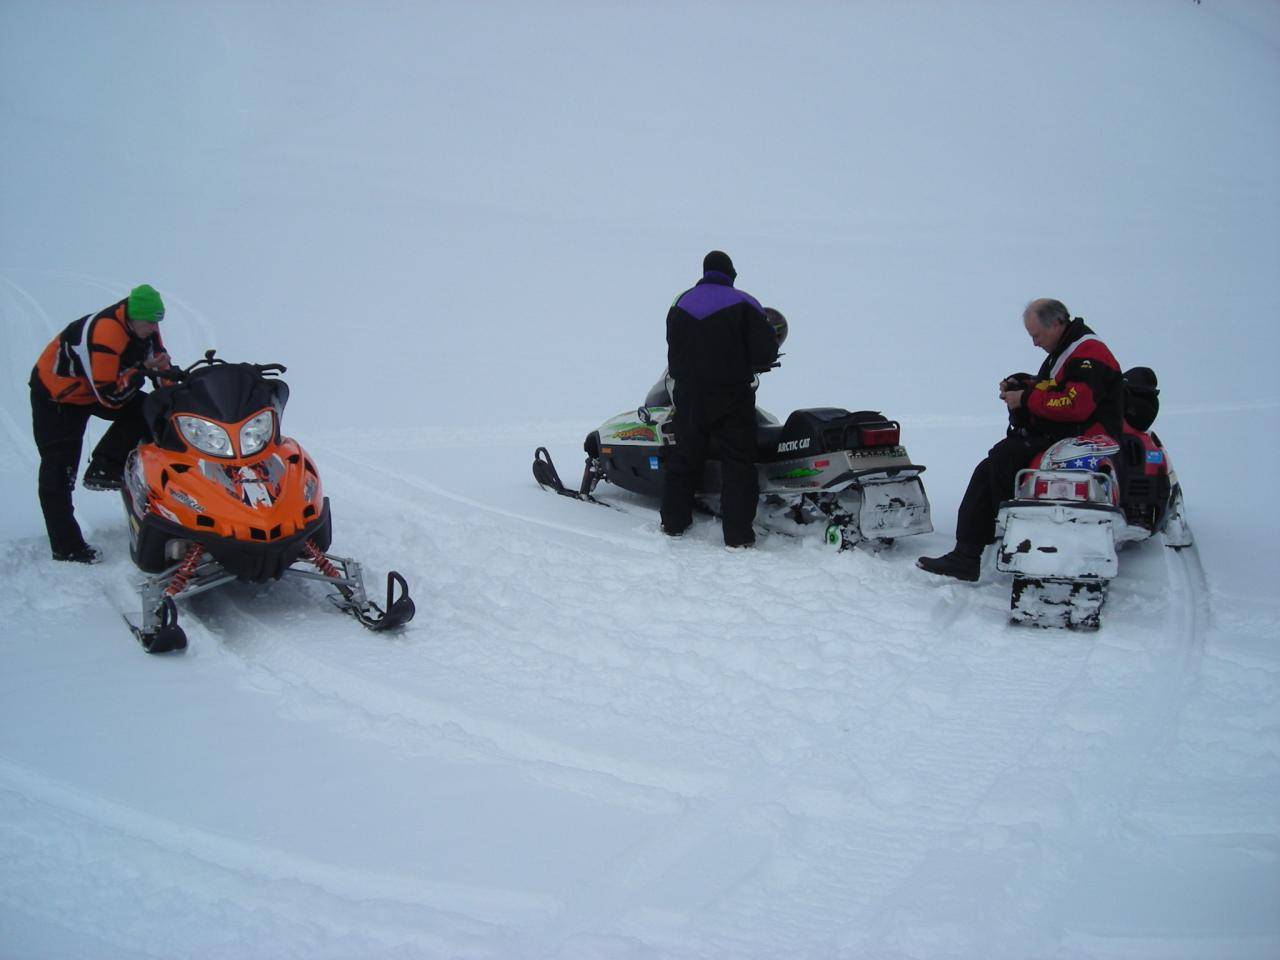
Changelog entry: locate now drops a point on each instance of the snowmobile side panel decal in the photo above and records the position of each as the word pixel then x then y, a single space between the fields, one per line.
pixel 636 432
pixel 800 473
pixel 186 499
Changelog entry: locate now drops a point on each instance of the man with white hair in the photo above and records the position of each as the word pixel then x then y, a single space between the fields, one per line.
pixel 1078 391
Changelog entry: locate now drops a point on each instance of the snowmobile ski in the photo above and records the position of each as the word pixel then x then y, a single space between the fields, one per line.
pixel 545 473
pixel 165 636
pixel 345 575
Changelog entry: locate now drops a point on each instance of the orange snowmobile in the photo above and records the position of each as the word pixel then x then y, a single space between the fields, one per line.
pixel 221 495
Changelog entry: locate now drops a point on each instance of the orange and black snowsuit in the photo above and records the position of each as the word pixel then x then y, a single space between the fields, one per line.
pixel 92 368
pixel 96 360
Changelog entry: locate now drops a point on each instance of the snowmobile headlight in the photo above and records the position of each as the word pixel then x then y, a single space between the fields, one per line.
pixel 205 436
pixel 255 434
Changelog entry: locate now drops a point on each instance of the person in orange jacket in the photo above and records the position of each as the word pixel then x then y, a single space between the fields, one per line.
pixel 95 367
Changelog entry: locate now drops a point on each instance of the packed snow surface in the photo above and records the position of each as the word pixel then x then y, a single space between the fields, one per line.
pixel 460 226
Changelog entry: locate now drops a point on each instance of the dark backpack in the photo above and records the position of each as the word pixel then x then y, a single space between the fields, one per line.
pixel 1141 398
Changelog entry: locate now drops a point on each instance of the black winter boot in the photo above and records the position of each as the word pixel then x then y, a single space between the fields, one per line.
pixel 963 563
pixel 81 554
pixel 103 476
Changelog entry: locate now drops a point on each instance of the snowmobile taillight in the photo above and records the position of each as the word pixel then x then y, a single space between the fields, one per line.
pixel 886 436
pixel 1054 488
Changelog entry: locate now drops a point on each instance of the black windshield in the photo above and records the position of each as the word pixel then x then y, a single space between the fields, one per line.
pixel 227 392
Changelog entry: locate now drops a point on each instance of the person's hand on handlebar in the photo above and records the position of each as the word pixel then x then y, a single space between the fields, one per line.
pixel 158 361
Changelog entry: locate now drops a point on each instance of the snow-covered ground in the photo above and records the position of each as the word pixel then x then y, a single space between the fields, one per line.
pixel 460 225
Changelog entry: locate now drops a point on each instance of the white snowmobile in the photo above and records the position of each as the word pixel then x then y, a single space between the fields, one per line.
pixel 829 472
pixel 1078 502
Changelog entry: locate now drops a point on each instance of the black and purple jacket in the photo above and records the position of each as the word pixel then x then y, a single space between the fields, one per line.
pixel 717 336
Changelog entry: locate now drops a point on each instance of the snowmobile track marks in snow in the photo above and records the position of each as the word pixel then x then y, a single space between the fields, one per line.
pixel 426 486
pixel 368 706
pixel 153 858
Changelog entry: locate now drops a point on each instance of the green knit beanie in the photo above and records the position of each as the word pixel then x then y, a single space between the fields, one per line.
pixel 145 304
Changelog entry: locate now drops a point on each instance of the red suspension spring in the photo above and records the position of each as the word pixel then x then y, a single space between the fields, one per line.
pixel 185 571
pixel 323 564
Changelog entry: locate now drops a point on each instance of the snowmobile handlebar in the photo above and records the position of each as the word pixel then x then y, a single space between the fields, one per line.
pixel 211 359
pixel 180 374
pixel 162 377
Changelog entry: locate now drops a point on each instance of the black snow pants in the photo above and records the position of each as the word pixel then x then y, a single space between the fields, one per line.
pixel 992 484
pixel 59 434
pixel 724 417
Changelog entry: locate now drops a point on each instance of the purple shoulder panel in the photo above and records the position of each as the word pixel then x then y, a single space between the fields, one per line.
pixel 705 299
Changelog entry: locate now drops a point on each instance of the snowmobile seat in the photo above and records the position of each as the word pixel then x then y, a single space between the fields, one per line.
pixel 768 436
pixel 817 430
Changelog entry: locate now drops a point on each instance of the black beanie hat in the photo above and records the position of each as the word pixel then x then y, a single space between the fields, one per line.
pixel 719 261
